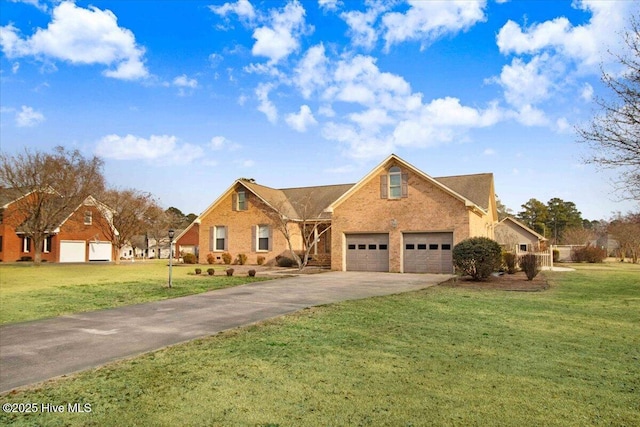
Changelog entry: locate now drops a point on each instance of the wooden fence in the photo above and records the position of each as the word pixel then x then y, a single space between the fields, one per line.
pixel 545 258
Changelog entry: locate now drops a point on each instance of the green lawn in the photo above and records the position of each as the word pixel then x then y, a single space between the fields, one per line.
pixel 28 292
pixel 569 356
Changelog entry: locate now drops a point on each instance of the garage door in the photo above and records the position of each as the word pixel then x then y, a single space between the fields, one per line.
pixel 100 251
pixel 368 252
pixel 428 252
pixel 72 251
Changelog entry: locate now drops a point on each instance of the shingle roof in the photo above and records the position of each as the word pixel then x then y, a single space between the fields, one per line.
pixel 476 188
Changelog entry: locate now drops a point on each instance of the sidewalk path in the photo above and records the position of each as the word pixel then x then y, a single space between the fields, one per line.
pixel 35 351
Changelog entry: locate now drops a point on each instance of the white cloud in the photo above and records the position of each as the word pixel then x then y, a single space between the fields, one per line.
pixel 362 25
pixel 15 67
pixel 184 83
pixel 221 143
pixel 587 92
pixel 162 148
pixel 28 117
pixel 526 83
pixel 426 21
pixel 329 4
pixel 587 44
pixel 215 59
pixel 242 8
pixel 80 36
pixel 489 152
pixel 36 3
pixel 302 120
pixel 311 72
pixel 266 106
pixel 531 116
pixel 281 36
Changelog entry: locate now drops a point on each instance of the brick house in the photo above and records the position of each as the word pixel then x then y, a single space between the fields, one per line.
pixel 80 237
pixel 396 218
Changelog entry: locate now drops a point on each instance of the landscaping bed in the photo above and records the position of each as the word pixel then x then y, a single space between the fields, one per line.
pixel 504 282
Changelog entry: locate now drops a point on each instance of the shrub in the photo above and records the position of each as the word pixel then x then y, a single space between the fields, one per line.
pixel 211 258
pixel 211 271
pixel 252 273
pixel 588 253
pixel 556 255
pixel 260 260
pixel 189 258
pixel 226 258
pixel 241 259
pixel 511 261
pixel 477 257
pixel 229 271
pixel 198 270
pixel 531 265
pixel 284 261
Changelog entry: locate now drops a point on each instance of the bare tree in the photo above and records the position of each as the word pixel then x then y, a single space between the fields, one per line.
pixel 128 210
pixel 48 187
pixel 297 217
pixel 158 223
pixel 614 134
pixel 626 230
pixel 577 236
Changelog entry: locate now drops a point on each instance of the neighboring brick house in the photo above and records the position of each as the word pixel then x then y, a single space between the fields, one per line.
pixel 187 240
pixel 396 218
pixel 80 237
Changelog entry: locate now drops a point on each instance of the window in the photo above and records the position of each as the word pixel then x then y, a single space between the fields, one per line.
pixel 221 238
pixel 242 201
pixel 352 247
pixel 382 247
pixel 361 247
pixel 372 247
pixel 446 247
pixel 0 243
pixel 523 247
pixel 433 247
pixel 88 217
pixel 263 237
pixel 46 244
pixel 422 246
pixel 410 246
pixel 1 215
pixel 26 244
pixel 395 183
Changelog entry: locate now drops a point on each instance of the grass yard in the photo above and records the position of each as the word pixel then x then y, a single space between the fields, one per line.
pixel 569 356
pixel 28 292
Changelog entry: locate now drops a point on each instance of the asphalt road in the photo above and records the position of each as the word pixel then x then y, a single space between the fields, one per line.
pixel 35 351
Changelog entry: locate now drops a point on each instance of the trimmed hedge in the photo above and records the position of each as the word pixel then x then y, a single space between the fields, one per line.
pixel 477 257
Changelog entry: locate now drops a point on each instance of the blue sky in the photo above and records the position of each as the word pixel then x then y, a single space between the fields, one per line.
pixel 181 97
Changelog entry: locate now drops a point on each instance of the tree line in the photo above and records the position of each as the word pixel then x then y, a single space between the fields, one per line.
pixel 58 182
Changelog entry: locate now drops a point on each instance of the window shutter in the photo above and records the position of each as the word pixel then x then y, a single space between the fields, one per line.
pixel 254 231
pixel 234 202
pixel 212 238
pixel 405 185
pixel 384 188
pixel 226 238
pixel 270 248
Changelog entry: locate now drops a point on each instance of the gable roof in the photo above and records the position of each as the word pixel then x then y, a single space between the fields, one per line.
pixel 463 183
pixel 319 201
pixel 524 227
pixel 476 188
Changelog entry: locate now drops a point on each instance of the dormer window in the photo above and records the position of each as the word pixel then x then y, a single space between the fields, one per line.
pixel 240 201
pixel 394 185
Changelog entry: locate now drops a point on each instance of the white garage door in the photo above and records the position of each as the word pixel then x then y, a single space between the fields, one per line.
pixel 368 252
pixel 100 251
pixel 428 253
pixel 72 251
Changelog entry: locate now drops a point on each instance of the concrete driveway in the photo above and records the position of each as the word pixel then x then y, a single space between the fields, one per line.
pixel 35 351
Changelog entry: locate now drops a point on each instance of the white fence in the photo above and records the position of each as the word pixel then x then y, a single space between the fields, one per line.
pixel 545 258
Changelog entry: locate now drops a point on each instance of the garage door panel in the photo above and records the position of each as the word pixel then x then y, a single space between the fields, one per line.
pixel 428 252
pixel 367 252
pixel 100 251
pixel 72 251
